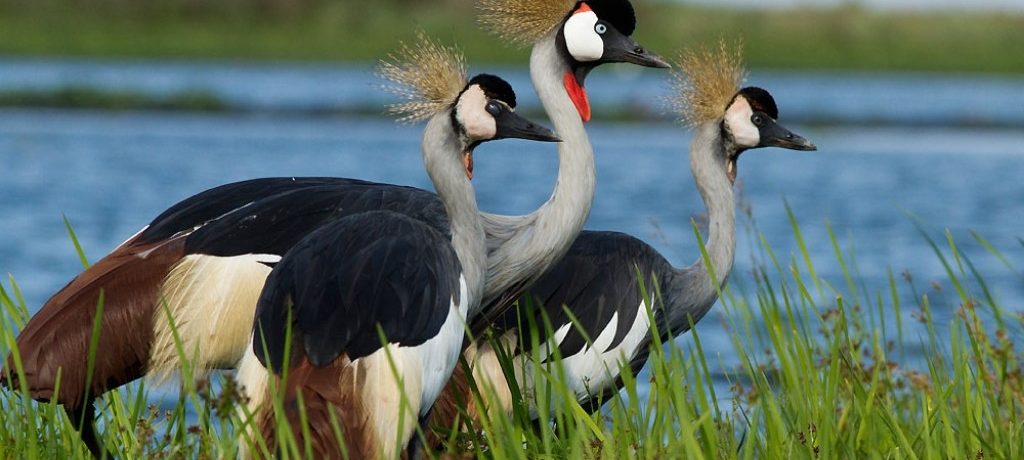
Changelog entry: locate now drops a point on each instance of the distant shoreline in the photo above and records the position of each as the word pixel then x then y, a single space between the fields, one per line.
pixel 203 102
pixel 843 38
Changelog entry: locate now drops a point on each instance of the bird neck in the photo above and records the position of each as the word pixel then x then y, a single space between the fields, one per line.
pixel 708 165
pixel 569 204
pixel 540 239
pixel 442 154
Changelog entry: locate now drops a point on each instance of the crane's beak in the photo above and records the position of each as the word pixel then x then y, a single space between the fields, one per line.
pixel 510 125
pixel 775 135
pixel 621 48
pixel 772 135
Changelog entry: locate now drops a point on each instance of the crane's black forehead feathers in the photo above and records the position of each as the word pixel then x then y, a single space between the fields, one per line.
pixel 760 100
pixel 618 13
pixel 495 88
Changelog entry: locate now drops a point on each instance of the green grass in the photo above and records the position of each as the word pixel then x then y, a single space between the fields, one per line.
pixel 848 38
pixel 823 374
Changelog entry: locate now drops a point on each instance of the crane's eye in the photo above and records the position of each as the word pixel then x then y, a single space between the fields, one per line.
pixel 600 28
pixel 757 119
pixel 493 108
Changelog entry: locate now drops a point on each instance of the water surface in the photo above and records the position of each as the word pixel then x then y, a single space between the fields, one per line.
pixel 109 173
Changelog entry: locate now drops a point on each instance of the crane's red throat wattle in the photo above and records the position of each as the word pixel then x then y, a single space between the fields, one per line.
pixel 578 95
pixel 467 161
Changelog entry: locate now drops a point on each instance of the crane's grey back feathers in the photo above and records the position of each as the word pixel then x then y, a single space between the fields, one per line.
pixel 427 76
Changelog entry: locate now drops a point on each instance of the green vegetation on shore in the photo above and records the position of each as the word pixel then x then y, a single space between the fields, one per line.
pixel 822 374
pixel 82 97
pixel 844 38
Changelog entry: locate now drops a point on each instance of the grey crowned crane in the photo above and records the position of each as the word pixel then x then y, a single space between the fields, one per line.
pixel 413 278
pixel 597 280
pixel 202 262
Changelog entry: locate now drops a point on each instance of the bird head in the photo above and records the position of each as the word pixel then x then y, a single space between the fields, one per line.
pixel 485 111
pixel 707 90
pixel 587 33
pixel 596 32
pixel 750 123
pixel 431 79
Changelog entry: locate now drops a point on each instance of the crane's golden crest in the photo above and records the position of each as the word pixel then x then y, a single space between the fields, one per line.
pixel 427 76
pixel 522 22
pixel 705 81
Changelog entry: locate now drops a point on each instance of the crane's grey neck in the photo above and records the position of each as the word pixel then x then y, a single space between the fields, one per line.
pixel 442 155
pixel 521 248
pixel 695 291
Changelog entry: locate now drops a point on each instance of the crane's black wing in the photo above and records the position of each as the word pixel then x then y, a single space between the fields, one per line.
pixel 596 279
pixel 206 206
pixel 351 276
pixel 273 224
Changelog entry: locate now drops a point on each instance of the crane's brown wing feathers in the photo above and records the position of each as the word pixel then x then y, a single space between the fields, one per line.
pixel 57 339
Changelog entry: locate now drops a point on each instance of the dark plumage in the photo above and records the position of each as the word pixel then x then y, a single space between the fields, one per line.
pixel 208 205
pixel 617 12
pixel 760 100
pixel 336 292
pixel 598 277
pixel 275 223
pixel 495 88
pixel 341 282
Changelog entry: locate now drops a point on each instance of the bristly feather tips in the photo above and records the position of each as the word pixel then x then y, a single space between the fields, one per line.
pixel 522 22
pixel 705 80
pixel 427 76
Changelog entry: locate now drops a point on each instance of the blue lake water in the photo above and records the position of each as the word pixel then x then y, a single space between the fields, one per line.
pixel 896 146
pixel 906 98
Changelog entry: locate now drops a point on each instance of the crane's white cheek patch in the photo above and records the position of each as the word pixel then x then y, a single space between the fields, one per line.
pixel 583 43
pixel 738 119
pixel 472 114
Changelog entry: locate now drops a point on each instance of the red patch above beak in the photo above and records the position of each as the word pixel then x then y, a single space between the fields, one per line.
pixel 578 95
pixel 583 8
